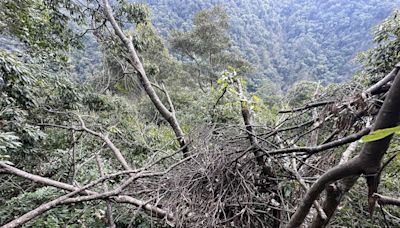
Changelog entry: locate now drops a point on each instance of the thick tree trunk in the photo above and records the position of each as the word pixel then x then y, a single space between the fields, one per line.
pixel 368 162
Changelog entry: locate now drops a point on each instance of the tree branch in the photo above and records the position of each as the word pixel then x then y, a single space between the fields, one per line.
pixel 389 77
pixel 336 173
pixel 329 145
pixel 90 195
pixel 303 184
pixel 136 63
pixel 109 215
pixel 307 106
pixel 336 191
pixel 368 162
pixel 385 200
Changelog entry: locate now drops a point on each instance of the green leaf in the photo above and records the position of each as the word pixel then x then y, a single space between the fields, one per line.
pixel 220 81
pixel 256 99
pixel 114 129
pixel 380 134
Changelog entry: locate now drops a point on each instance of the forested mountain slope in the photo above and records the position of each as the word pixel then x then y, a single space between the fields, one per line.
pixel 289 40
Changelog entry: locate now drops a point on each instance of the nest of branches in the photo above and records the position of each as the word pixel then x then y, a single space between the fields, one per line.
pixel 219 186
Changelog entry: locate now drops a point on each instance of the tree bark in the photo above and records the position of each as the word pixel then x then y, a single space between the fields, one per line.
pixel 266 169
pixel 368 162
pixel 335 192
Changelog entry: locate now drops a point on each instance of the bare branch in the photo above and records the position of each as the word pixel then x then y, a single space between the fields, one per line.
pixel 136 63
pixel 110 144
pixel 339 172
pixel 346 154
pixel 105 138
pixel 114 194
pixel 305 187
pixel 44 207
pixel 389 77
pixel 385 200
pixel 308 106
pixel 329 145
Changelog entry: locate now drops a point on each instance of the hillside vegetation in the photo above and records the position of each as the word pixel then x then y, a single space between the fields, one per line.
pixel 289 40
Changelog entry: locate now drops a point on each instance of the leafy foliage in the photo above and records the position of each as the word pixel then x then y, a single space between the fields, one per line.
pixel 41 25
pixel 289 40
pixel 385 55
pixel 207 47
pixel 43 105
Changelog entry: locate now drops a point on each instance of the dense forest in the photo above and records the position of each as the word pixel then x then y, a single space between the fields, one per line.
pixel 289 40
pixel 109 120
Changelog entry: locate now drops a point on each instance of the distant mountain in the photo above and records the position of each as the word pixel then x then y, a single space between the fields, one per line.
pixel 289 40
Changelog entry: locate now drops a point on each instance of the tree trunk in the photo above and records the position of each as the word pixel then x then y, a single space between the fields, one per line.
pixel 368 162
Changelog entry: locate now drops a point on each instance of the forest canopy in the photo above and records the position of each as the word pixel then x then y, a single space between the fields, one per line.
pixel 289 40
pixel 107 120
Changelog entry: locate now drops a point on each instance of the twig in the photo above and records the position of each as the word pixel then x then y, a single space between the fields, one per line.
pixel 308 106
